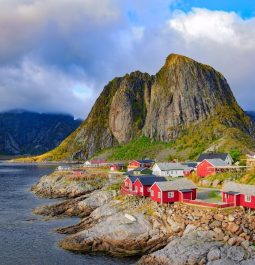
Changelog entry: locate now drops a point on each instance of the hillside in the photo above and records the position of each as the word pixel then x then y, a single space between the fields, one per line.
pixel 187 104
pixel 23 132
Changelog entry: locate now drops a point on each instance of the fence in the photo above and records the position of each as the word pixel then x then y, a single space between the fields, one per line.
pixel 208 204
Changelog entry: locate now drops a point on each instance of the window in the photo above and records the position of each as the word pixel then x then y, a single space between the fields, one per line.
pixel 247 198
pixel 152 192
pixel 136 189
pixel 126 184
pixel 141 189
pixel 226 196
pixel 148 189
pixel 170 194
pixel 130 186
pixel 159 195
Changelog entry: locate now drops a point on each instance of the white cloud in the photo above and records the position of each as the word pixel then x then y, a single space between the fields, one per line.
pixel 35 87
pixel 222 39
pixel 217 26
pixel 56 55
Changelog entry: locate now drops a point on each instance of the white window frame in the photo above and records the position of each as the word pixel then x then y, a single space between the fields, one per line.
pixel 141 189
pixel 152 192
pixel 170 194
pixel 159 195
pixel 247 198
pixel 148 189
pixel 136 189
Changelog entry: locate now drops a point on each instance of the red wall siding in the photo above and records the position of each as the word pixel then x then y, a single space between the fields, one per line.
pixel 176 197
pixel 128 183
pixel 205 169
pixel 194 194
pixel 138 187
pixel 134 164
pixel 247 204
pixel 146 193
pixel 186 195
pixel 155 190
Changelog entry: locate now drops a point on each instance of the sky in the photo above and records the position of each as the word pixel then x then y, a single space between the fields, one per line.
pixel 57 55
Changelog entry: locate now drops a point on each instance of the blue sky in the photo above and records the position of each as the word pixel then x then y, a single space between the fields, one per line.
pixel 245 8
pixel 57 55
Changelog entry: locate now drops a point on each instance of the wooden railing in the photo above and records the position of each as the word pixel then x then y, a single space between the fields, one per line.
pixel 208 204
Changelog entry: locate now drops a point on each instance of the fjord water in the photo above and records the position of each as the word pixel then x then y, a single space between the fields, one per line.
pixel 27 239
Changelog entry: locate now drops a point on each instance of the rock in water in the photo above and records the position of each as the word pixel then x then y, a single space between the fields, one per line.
pixel 184 99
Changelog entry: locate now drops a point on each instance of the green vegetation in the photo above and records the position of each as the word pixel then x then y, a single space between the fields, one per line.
pixel 141 147
pixel 248 178
pixel 214 195
pixel 235 154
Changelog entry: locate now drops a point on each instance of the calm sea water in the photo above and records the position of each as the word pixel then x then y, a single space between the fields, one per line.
pixel 26 239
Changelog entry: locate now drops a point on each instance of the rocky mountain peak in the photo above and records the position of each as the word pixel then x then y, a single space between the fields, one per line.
pixel 183 96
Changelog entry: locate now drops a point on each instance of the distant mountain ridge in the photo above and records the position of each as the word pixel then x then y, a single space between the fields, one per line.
pixel 251 114
pixel 24 132
pixel 187 104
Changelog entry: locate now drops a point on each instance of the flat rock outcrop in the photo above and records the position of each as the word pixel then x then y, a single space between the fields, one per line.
pixel 64 184
pixel 199 248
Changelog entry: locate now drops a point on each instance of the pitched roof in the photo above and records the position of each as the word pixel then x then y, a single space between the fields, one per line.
pixel 204 156
pixel 179 184
pixel 217 162
pixel 149 180
pixel 146 179
pixel 231 186
pixel 190 164
pixel 141 169
pixel 145 161
pixel 171 166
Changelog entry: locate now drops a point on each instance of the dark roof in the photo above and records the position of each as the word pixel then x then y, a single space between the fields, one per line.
pixel 133 178
pixel 145 161
pixel 232 192
pixel 149 180
pixel 204 156
pixel 190 164
pixel 146 180
pixel 141 169
pixel 186 190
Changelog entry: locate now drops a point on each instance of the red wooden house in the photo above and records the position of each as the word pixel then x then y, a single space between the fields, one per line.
pixel 140 163
pixel 173 191
pixel 116 167
pixel 134 187
pixel 210 167
pixel 239 194
pixel 142 184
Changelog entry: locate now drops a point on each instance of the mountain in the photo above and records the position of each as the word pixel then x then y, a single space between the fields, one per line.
pixel 186 108
pixel 23 132
pixel 251 114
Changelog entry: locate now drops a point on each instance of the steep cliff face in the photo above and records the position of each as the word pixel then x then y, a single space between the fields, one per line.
pixel 184 100
pixel 184 92
pixel 129 107
pixel 117 116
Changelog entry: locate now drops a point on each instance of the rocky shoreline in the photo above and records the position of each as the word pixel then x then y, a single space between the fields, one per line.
pixel 161 234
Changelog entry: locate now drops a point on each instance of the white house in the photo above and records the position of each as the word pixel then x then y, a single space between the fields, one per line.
pixel 171 169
